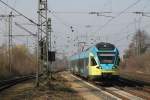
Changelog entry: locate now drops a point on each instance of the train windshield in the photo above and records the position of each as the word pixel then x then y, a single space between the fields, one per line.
pixel 106 58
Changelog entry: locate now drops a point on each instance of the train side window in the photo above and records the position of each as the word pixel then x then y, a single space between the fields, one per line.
pixel 93 62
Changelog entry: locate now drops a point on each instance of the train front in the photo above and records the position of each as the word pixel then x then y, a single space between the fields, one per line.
pixel 108 57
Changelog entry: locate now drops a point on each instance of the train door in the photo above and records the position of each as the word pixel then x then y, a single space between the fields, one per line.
pixel 93 61
pixel 92 64
pixel 93 67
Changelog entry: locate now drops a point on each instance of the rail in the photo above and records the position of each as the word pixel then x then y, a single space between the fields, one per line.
pixel 4 84
pixel 11 82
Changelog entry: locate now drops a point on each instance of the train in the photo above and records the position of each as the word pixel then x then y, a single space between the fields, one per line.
pixel 99 61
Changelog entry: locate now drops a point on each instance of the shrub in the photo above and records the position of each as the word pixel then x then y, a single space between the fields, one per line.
pixel 137 63
pixel 23 62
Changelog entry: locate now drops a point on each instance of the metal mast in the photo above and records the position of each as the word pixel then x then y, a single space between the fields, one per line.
pixel 10 19
pixel 42 38
pixel 10 40
pixel 49 46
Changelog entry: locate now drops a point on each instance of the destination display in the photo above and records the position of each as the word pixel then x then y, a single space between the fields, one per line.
pixel 106 54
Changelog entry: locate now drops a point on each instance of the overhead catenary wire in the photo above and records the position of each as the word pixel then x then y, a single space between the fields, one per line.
pixel 64 23
pixel 18 12
pixel 18 35
pixel 132 33
pixel 25 29
pixel 142 14
pixel 92 12
pixel 105 24
pixel 30 20
pixel 127 36
pixel 15 2
pixel 118 41
pixel 124 11
pixel 17 24
pixel 120 13
pixel 69 26
pixel 124 28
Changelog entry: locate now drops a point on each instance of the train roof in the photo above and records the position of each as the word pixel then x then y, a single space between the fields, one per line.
pixel 99 46
pixel 105 46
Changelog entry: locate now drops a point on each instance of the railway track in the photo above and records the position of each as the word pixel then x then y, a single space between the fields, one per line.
pixel 127 89
pixel 11 82
pixel 124 89
pixel 135 87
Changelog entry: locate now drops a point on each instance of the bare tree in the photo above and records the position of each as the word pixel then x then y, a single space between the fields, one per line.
pixel 138 45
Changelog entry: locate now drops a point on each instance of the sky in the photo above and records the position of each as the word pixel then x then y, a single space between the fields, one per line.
pixel 88 28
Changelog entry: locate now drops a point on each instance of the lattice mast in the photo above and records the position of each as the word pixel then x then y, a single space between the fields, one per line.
pixel 43 44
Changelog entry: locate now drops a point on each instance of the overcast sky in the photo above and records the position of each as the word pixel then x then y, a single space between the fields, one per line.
pixel 87 28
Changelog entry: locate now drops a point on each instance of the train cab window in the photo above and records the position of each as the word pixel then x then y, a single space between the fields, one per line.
pixel 93 62
pixel 106 59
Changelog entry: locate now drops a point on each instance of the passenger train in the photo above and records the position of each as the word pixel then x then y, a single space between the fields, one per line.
pixel 99 61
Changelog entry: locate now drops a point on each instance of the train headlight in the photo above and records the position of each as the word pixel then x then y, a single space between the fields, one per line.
pixel 114 67
pixel 98 67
